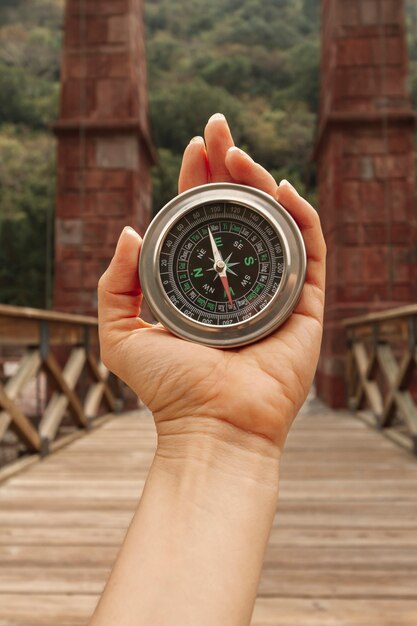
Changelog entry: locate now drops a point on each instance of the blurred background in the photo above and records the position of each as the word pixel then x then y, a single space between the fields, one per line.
pixel 258 62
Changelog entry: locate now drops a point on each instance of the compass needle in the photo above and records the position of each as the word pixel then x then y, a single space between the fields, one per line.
pixel 230 232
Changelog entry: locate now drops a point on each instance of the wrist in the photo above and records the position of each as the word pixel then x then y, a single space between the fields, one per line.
pixel 210 445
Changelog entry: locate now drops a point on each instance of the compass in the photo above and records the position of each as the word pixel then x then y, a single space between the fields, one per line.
pixel 222 265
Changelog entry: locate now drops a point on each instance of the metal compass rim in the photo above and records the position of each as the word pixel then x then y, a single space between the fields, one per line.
pixel 262 323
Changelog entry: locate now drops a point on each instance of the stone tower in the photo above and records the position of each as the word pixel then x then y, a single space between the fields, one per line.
pixel 366 179
pixel 104 148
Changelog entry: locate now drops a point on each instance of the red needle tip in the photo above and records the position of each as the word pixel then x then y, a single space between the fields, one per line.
pixel 225 284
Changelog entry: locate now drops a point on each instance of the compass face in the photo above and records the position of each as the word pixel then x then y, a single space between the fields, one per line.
pixel 221 263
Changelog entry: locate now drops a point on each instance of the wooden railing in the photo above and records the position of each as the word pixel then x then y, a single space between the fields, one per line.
pixel 382 373
pixel 59 353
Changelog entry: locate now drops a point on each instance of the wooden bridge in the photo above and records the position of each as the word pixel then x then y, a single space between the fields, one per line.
pixel 343 549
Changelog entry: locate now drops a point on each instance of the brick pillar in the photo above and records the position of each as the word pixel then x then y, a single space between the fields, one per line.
pixel 104 148
pixel 365 172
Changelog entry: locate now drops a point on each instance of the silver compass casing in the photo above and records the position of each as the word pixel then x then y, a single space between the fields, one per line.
pixel 264 322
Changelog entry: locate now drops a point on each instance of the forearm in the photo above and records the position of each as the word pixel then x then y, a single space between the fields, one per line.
pixel 194 551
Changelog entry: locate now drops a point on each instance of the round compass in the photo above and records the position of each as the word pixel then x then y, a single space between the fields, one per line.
pixel 222 265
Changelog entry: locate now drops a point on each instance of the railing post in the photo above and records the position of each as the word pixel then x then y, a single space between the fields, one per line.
pixel 44 339
pixel 411 322
pixel 86 346
pixel 350 383
pixel 44 351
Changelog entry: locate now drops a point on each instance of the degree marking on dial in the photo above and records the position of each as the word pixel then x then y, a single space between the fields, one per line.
pixel 273 279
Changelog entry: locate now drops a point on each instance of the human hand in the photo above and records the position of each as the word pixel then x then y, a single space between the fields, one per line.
pixel 257 388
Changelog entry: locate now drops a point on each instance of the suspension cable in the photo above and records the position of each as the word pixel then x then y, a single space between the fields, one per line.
pixel 385 139
pixel 82 142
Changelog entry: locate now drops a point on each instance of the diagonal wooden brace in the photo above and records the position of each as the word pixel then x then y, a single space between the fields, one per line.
pixel 27 369
pixel 367 388
pixel 20 423
pixel 50 364
pixel 59 401
pixel 102 381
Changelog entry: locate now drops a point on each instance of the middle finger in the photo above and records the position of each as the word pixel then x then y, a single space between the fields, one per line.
pixel 218 141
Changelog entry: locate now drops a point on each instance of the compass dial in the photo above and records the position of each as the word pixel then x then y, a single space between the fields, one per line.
pixel 222 265
pixel 221 240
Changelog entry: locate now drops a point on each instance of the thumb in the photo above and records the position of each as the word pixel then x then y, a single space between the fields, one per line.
pixel 119 292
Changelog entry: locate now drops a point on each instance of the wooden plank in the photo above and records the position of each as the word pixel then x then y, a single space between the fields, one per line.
pixel 335 582
pixel 281 536
pixel 7 310
pixel 20 423
pixel 74 610
pixel 27 369
pixel 59 401
pixel 7 471
pixel 76 536
pixel 398 437
pixel 408 411
pixel 369 387
pixel 280 557
pixel 388 363
pixel 21 464
pixel 407 367
pixel 51 365
pixel 92 491
pixel 402 400
pixel 99 389
pixel 25 331
pixel 321 611
pixel 46 609
pixel 297 515
pixel 410 310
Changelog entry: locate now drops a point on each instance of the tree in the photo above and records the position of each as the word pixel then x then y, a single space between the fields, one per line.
pixel 27 196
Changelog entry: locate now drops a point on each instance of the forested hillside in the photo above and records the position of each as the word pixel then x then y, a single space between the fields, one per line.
pixel 255 60
pixel 30 41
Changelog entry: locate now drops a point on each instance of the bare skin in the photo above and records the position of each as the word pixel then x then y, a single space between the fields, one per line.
pixel 194 551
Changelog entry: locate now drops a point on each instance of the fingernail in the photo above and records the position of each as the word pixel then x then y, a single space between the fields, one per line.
pixel 286 183
pixel 197 139
pixel 128 230
pixel 217 116
pixel 237 150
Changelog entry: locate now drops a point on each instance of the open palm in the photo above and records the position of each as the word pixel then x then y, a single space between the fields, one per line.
pixel 257 388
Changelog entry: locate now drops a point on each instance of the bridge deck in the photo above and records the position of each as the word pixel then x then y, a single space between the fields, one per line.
pixel 343 550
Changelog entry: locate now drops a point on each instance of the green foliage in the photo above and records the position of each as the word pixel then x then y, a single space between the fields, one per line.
pixel 180 112
pixel 165 177
pixel 255 61
pixel 26 216
pixel 30 41
pixel 412 47
pixel 25 99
